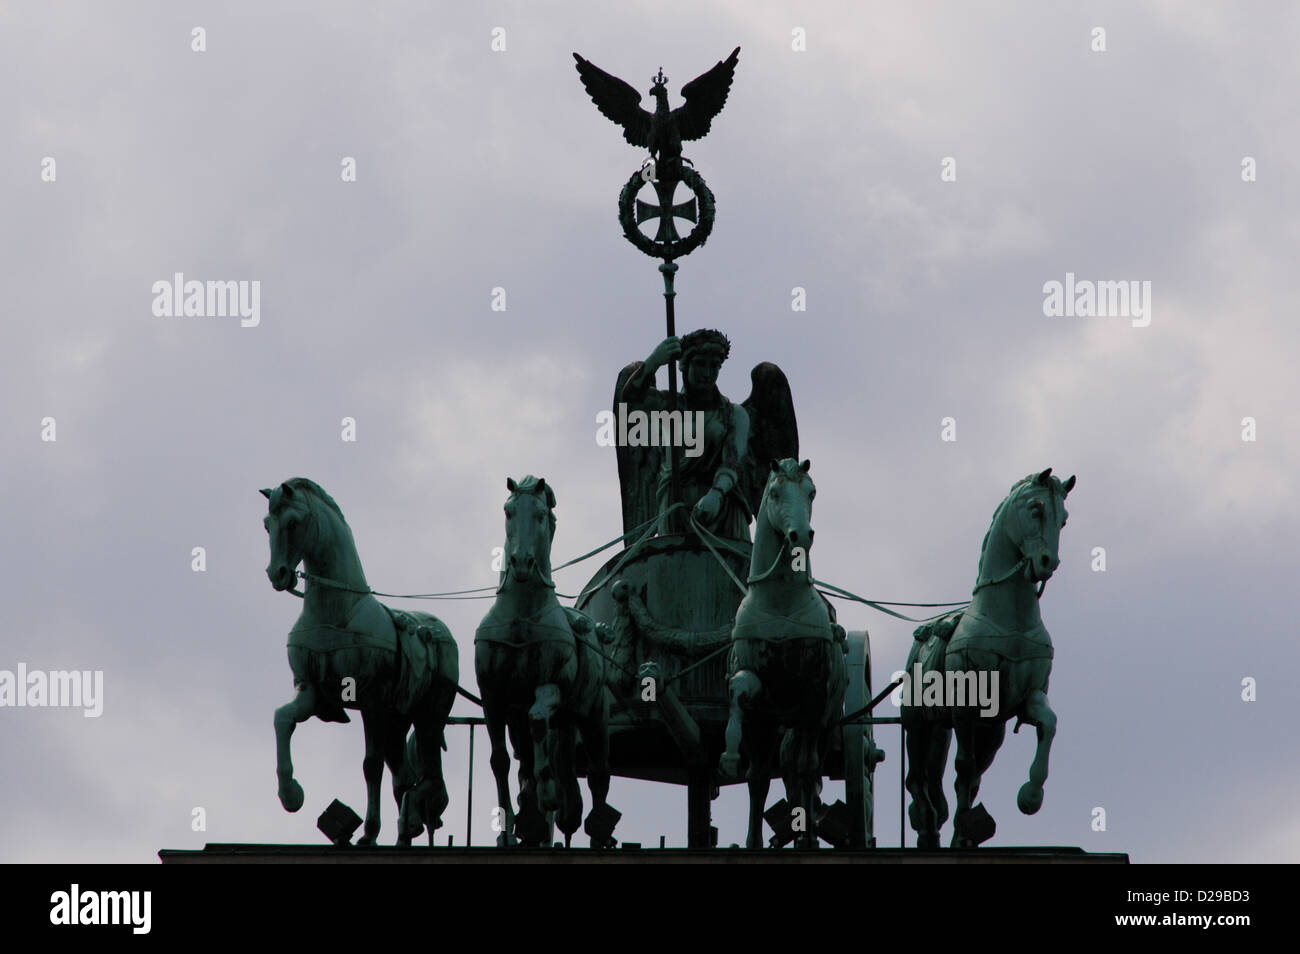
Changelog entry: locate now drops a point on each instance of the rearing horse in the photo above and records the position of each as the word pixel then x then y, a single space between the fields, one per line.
pixel 541 678
pixel 1000 636
pixel 349 651
pixel 786 668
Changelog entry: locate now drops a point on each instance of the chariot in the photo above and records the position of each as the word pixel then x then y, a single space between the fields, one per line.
pixel 667 607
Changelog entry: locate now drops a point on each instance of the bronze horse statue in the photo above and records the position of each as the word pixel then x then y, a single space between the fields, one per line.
pixel 787 674
pixel 349 651
pixel 542 679
pixel 1000 637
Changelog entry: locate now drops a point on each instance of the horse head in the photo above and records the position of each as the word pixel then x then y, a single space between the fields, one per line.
pixel 288 521
pixel 1031 518
pixel 530 528
pixel 787 503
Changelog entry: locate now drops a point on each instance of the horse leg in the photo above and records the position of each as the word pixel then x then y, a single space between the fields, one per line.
pixel 760 748
pixel 921 813
pixel 940 743
pixel 287 717
pixel 965 765
pixel 792 775
pixel 376 728
pixel 985 738
pixel 744 688
pixel 500 761
pixel 1040 715
pixel 430 793
pixel 595 742
pixel 401 759
pixel 545 707
pixel 569 813
pixel 531 824
pixel 807 777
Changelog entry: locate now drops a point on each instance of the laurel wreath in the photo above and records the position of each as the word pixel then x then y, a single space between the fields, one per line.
pixel 667 250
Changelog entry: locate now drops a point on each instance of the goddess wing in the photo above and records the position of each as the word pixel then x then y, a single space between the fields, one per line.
pixel 638 468
pixel 773 432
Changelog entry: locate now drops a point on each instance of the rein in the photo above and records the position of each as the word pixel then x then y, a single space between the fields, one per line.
pixel 489 592
pixel 646 531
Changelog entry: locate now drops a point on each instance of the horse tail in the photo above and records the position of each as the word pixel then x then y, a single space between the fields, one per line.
pixel 594 664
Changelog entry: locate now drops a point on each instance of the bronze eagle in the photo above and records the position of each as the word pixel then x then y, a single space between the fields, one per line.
pixel 662 131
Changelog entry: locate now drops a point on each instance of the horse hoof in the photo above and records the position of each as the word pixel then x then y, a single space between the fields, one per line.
pixel 973 827
pixel 291 795
pixel 729 766
pixel 1030 798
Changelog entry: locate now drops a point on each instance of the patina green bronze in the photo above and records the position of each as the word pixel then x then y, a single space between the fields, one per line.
pixel 697 654
pixel 670 599
pixel 542 677
pixel 999 635
pixel 662 132
pixel 349 651
pixel 786 671
pixel 721 486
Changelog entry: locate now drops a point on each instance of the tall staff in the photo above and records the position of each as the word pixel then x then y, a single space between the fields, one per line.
pixel 662 133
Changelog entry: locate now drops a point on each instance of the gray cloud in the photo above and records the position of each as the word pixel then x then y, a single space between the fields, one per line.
pixel 480 169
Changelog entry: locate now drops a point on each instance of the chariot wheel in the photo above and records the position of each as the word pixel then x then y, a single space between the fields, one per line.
pixel 859 745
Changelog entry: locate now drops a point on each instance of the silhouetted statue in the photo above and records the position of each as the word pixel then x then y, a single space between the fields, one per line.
pixel 723 484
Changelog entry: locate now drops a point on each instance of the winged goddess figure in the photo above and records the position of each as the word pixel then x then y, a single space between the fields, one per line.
pixel 723 486
pixel 663 131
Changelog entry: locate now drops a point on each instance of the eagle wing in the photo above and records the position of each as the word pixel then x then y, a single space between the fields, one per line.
pixel 705 96
pixel 618 101
pixel 773 432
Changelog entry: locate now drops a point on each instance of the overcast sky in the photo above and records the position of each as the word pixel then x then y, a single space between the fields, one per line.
pixel 479 169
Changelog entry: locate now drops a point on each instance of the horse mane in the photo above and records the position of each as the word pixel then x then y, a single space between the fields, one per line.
pixel 790 468
pixel 310 486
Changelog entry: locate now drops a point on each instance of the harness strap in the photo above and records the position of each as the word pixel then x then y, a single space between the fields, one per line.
pixel 649 528
pixel 882 608
pixel 705 534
